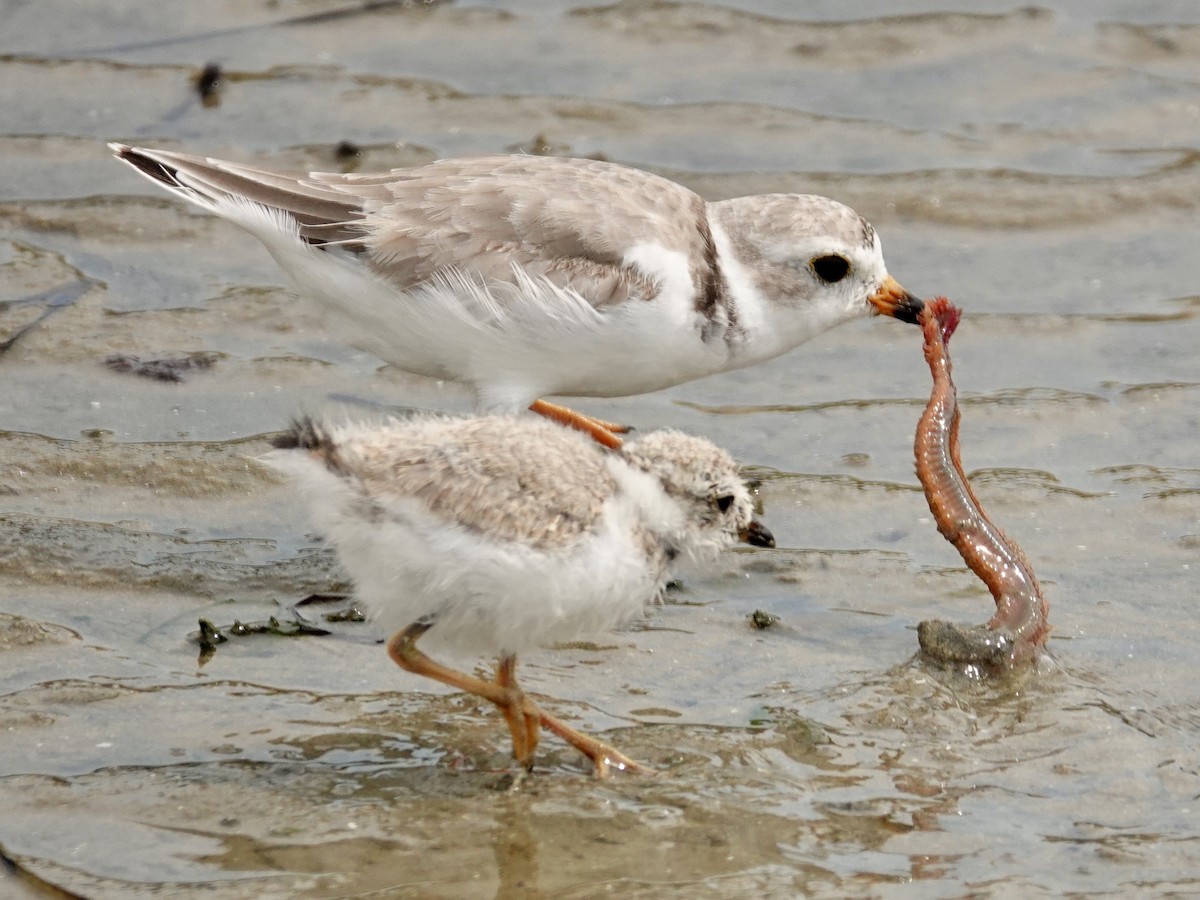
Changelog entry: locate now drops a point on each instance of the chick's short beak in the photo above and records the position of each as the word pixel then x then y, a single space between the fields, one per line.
pixel 757 535
pixel 893 300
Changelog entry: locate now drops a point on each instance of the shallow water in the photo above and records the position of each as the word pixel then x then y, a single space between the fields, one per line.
pixel 1037 165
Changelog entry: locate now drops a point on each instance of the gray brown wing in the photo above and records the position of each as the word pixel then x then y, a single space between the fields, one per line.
pixel 535 483
pixel 567 220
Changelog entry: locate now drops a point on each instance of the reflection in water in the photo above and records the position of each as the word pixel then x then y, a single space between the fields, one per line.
pixel 902 788
pixel 516 850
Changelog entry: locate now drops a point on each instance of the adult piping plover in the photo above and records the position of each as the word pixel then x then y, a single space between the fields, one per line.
pixel 524 276
pixel 500 534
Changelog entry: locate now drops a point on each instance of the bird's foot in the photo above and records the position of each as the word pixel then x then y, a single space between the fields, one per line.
pixel 604 757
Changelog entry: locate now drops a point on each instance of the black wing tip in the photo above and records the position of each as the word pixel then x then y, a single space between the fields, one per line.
pixel 154 169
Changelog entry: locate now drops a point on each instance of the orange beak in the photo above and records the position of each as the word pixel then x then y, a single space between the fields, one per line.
pixel 893 300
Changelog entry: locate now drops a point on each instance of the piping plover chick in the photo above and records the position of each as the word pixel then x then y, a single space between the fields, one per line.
pixel 501 534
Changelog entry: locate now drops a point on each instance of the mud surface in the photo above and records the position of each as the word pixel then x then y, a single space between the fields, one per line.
pixel 1038 165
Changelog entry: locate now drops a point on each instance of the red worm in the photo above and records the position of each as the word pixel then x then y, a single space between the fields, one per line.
pixel 1019 626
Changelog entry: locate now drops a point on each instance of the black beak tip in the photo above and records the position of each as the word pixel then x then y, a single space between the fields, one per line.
pixel 758 535
pixel 909 309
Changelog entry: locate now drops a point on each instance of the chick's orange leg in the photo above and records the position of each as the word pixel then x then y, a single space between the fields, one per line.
pixel 402 648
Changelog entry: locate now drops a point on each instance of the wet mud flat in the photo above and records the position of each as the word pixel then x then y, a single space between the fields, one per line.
pixel 1035 165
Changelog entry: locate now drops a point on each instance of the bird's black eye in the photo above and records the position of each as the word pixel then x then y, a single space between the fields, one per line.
pixel 723 503
pixel 830 269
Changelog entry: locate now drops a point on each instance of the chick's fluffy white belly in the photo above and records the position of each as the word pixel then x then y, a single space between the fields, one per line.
pixel 487 595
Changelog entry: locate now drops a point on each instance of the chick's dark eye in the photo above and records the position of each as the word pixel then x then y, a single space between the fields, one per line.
pixel 830 269
pixel 723 503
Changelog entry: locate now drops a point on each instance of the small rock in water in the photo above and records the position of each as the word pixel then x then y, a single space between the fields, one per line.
pixel 208 84
pixel 760 619
pixel 161 369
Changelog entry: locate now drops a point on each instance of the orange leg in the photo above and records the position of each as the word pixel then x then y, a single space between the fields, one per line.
pixel 519 711
pixel 525 720
pixel 553 410
pixel 602 432
pixel 524 717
